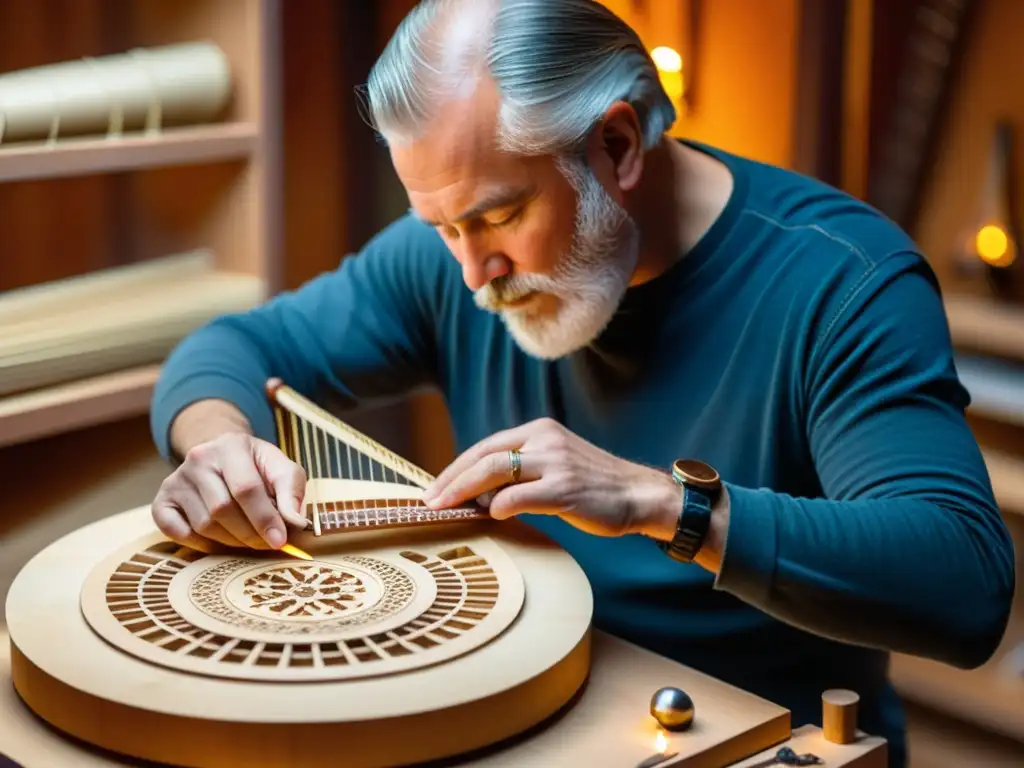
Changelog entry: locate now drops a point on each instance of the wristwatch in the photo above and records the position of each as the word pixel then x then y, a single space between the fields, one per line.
pixel 701 486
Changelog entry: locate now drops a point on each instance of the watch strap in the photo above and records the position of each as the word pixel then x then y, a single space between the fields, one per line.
pixel 692 527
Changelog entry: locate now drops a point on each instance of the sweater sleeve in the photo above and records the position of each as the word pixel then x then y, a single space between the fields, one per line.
pixel 906 550
pixel 361 331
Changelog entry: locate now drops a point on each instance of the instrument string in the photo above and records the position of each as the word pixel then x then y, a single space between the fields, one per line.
pixel 328 448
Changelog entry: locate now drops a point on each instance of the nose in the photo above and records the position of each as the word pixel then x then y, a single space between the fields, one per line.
pixel 481 265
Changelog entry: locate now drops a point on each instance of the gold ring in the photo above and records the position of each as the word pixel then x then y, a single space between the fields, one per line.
pixel 515 465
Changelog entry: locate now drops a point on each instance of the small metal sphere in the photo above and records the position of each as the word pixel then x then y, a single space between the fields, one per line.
pixel 672 708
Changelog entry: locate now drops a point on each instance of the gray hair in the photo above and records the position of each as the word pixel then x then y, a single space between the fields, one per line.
pixel 558 65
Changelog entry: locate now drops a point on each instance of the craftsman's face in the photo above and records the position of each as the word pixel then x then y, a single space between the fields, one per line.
pixel 540 240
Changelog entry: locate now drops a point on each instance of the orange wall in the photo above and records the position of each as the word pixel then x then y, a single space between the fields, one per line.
pixel 746 66
pixel 985 92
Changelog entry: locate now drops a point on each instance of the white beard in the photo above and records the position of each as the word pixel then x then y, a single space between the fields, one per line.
pixel 588 283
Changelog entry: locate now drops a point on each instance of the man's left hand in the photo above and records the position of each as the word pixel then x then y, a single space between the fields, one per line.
pixel 561 474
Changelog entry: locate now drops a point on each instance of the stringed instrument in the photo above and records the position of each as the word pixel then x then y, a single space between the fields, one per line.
pixel 412 635
pixel 353 482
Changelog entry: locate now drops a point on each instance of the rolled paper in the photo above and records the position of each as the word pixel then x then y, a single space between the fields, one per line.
pixel 144 88
pixel 112 319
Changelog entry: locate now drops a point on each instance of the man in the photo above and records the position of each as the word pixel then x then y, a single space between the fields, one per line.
pixel 632 301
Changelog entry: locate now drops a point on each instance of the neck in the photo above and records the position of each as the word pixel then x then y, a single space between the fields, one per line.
pixel 681 194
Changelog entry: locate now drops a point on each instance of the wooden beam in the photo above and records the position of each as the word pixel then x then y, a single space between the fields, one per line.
pixel 857 97
pixel 923 78
pixel 821 44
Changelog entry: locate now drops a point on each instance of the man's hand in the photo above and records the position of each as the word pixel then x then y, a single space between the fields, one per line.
pixel 563 475
pixel 234 490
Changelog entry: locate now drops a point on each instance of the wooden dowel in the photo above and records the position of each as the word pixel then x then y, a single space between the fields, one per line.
pixel 839 715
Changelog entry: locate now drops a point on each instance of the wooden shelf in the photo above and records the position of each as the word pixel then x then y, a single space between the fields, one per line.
pixel 996 387
pixel 85 403
pixel 82 156
pixel 1006 471
pixel 96 298
pixel 984 325
pixel 991 696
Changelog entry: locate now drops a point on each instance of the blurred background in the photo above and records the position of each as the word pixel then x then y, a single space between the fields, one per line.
pixel 163 161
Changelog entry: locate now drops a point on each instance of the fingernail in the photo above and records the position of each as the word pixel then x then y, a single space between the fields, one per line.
pixel 275 538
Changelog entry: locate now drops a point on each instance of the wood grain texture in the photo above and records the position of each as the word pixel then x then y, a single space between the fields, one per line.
pixel 608 725
pixel 91 155
pixel 83 403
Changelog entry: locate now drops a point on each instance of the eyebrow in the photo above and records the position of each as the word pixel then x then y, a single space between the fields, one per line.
pixel 498 199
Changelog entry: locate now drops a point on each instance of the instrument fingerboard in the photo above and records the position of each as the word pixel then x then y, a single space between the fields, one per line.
pixel 395 513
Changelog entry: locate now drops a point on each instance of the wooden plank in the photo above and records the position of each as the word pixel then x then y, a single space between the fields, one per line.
pixel 985 325
pixel 929 64
pixel 856 131
pixel 987 697
pixel 1006 472
pixel 820 86
pixel 76 405
pixel 996 387
pixel 171 147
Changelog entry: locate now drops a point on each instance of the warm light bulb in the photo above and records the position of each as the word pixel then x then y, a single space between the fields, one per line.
pixel 660 742
pixel 993 246
pixel 667 59
pixel 670 73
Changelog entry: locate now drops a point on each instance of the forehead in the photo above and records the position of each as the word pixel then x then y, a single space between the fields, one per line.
pixel 455 162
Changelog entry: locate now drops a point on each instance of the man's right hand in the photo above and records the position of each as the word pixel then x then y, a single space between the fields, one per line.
pixel 234 490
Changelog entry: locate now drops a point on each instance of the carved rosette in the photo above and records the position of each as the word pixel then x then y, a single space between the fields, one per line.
pixel 339 617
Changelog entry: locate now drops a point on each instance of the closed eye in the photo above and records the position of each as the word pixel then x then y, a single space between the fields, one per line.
pixel 508 219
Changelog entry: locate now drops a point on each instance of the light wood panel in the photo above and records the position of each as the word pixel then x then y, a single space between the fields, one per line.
pixel 609 725
pixel 83 403
pixel 175 146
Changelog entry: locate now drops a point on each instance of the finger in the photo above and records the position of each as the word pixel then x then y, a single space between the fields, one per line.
pixel 505 440
pixel 491 472
pixel 537 497
pixel 213 513
pixel 248 489
pixel 287 481
pixel 171 512
pixel 173 524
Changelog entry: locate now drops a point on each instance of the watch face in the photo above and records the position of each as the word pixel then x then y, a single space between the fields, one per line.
pixel 696 472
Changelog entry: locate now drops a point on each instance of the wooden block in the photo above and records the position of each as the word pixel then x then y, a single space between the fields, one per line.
pixel 839 715
pixel 866 751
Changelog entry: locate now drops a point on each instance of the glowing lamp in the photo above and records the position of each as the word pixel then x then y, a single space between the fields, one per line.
pixel 667 59
pixel 990 241
pixel 670 72
pixel 994 246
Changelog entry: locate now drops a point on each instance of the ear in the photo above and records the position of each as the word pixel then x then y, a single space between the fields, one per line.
pixel 616 147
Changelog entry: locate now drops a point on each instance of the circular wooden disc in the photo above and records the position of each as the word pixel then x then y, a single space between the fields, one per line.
pixel 272 617
pixel 86 617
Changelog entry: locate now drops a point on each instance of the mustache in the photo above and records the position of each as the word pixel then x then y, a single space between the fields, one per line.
pixel 505 290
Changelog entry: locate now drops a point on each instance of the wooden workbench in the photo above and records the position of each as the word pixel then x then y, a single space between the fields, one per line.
pixel 600 731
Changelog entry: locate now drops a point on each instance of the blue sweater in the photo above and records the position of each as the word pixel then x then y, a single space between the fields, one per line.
pixel 801 348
